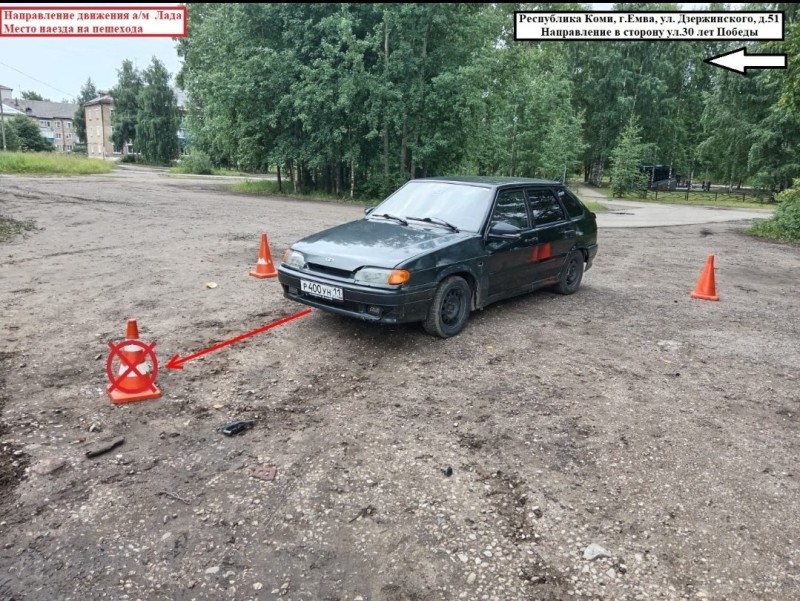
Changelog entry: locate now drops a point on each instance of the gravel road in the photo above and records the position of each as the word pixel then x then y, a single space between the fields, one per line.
pixel 623 443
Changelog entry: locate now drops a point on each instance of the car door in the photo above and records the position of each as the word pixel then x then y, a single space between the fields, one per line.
pixel 509 261
pixel 553 232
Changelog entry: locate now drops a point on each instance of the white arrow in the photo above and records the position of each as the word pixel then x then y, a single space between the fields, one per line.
pixel 739 61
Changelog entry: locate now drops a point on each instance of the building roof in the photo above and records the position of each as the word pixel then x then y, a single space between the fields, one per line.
pixel 105 98
pixel 102 99
pixel 10 110
pixel 2 87
pixel 43 109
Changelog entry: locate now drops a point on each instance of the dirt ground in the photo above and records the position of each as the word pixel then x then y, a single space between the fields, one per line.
pixel 662 428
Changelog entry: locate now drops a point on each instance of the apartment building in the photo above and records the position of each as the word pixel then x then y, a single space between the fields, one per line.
pixel 54 118
pixel 98 113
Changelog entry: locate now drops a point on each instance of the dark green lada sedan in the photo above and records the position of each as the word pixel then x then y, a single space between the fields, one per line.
pixel 439 248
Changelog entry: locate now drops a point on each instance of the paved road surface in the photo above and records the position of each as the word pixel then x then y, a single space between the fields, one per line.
pixel 628 213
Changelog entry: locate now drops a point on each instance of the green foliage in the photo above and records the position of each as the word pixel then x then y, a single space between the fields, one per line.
pixel 157 117
pixel 12 139
pixel 88 92
pixel 31 95
pixel 784 225
pixel 55 163
pixel 27 134
pixel 197 162
pixel 626 159
pixel 790 97
pixel 750 136
pixel 126 105
pixel 354 99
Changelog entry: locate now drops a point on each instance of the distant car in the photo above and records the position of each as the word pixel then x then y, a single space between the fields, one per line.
pixel 438 248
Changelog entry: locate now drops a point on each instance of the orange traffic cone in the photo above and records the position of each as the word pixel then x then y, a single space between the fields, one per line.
pixel 706 288
pixel 134 381
pixel 264 268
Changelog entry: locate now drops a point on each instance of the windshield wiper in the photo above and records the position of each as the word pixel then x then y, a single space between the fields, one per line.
pixel 435 220
pixel 395 217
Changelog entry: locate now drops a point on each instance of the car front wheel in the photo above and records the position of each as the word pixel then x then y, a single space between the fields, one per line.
pixel 449 309
pixel 571 274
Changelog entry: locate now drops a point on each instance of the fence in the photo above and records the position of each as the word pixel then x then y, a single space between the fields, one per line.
pixel 711 196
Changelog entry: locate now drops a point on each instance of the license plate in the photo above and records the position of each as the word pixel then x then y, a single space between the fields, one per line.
pixel 321 290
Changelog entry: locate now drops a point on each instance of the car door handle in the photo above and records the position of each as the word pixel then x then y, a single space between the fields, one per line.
pixel 568 233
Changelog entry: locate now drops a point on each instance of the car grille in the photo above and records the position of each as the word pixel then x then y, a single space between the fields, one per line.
pixel 339 273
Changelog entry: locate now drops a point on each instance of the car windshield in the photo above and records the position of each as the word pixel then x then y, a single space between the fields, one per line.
pixel 462 205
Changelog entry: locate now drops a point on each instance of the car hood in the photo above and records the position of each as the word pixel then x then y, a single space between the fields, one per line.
pixel 373 243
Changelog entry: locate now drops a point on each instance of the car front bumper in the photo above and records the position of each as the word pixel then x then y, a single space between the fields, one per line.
pixel 378 305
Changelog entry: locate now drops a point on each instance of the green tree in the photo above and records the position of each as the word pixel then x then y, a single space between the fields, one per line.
pixel 126 105
pixel 88 92
pixel 626 160
pixel 11 137
pixel 31 95
pixel 157 118
pixel 347 98
pixel 27 133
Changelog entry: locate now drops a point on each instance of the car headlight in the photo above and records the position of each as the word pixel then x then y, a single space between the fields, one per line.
pixel 292 258
pixel 375 275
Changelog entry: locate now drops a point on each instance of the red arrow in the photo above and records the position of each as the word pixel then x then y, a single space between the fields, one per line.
pixel 177 362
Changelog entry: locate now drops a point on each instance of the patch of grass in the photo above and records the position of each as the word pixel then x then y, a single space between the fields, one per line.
pixel 178 170
pixel 265 187
pixel 595 207
pixel 51 163
pixel 233 172
pixel 10 228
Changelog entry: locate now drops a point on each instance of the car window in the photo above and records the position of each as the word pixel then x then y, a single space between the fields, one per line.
pixel 545 207
pixel 572 204
pixel 463 205
pixel 511 209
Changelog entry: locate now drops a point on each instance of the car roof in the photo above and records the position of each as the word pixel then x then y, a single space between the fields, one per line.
pixel 491 181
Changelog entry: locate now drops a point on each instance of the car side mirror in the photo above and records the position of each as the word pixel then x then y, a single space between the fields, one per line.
pixel 504 231
pixel 368 210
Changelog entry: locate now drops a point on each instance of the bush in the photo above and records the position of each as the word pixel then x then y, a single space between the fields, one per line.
pixel 128 158
pixel 198 163
pixel 27 132
pixel 784 225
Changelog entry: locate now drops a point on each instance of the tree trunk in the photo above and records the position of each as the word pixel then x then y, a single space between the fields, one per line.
pixel 404 145
pixel 280 186
pixel 386 118
pixel 352 177
pixel 513 145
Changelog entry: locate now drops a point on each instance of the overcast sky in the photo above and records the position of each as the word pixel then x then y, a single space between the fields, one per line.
pixel 56 68
pixel 62 65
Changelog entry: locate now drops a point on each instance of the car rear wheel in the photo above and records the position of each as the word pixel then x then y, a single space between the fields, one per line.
pixel 449 309
pixel 571 274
